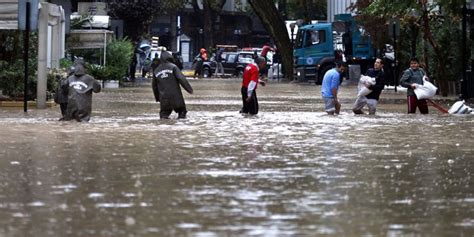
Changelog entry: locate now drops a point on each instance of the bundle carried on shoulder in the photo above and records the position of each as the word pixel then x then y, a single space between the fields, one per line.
pixel 362 86
pixel 425 91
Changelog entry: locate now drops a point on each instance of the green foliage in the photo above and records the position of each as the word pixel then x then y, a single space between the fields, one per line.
pixel 65 63
pixel 12 65
pixel 307 9
pixel 119 55
pixel 138 14
pixel 438 24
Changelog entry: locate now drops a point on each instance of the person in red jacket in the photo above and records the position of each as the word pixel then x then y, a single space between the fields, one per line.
pixel 250 81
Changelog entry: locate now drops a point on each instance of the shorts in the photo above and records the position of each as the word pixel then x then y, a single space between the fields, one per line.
pixel 329 105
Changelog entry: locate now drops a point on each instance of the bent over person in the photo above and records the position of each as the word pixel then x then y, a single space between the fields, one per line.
pixel 79 88
pixel 166 87
pixel 330 88
pixel 250 81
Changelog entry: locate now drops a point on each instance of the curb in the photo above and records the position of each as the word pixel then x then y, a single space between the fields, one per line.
pixel 19 104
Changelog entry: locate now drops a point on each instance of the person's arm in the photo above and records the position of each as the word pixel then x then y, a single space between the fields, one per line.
pixel 334 89
pixel 182 80
pixel 252 85
pixel 379 82
pixel 404 81
pixel 334 85
pixel 251 88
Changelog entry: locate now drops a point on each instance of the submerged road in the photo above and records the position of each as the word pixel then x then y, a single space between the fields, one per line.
pixel 290 171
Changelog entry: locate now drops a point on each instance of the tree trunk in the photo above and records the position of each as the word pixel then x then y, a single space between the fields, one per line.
pixel 441 73
pixel 275 26
pixel 207 26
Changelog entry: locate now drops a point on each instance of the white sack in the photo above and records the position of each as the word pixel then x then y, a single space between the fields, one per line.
pixel 425 91
pixel 365 80
pixel 460 108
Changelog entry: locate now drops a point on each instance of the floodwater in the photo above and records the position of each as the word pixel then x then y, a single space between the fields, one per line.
pixel 290 171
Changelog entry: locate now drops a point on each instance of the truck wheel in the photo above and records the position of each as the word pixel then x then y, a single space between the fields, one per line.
pixel 321 73
pixel 206 72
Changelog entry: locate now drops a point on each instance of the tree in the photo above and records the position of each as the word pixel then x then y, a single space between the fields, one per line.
pixel 138 14
pixel 275 26
pixel 208 13
pixel 434 20
pixel 307 10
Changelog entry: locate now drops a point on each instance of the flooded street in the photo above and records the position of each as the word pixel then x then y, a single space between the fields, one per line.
pixel 290 171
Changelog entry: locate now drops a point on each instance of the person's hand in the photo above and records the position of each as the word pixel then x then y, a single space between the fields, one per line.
pixel 337 105
pixel 248 99
pixel 413 86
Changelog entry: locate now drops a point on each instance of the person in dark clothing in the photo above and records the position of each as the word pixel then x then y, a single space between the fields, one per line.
pixel 60 97
pixel 412 77
pixel 166 87
pixel 199 61
pixel 79 88
pixel 133 67
pixel 154 63
pixel 371 99
pixel 250 81
pixel 219 67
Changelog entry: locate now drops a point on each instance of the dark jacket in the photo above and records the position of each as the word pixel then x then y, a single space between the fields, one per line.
pixel 379 83
pixel 411 76
pixel 166 84
pixel 219 55
pixel 79 88
pixel 60 96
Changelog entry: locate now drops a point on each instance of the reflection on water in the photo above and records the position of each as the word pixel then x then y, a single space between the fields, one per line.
pixel 290 171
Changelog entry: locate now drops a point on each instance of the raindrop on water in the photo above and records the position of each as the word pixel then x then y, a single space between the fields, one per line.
pixel 130 220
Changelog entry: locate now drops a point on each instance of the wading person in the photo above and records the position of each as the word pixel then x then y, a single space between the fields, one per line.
pixel 60 97
pixel 250 80
pixel 372 98
pixel 166 87
pixel 219 66
pixel 410 78
pixel 330 87
pixel 79 89
pixel 199 62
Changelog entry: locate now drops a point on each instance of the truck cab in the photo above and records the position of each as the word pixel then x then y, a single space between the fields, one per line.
pixel 318 46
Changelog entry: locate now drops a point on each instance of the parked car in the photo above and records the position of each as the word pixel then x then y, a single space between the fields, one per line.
pixel 178 60
pixel 234 63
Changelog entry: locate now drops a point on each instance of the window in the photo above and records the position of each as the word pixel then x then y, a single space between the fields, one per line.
pixel 314 37
pixel 231 58
pixel 245 58
pixel 299 39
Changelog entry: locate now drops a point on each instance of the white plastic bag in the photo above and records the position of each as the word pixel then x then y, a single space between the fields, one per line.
pixel 363 90
pixel 425 91
pixel 460 108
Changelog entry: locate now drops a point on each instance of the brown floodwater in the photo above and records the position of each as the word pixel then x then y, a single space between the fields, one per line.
pixel 290 171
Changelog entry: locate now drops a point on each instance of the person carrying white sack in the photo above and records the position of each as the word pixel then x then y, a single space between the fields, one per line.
pixel 412 78
pixel 371 89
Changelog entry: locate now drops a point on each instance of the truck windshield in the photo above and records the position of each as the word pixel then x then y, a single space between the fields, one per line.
pixel 299 39
pixel 309 37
